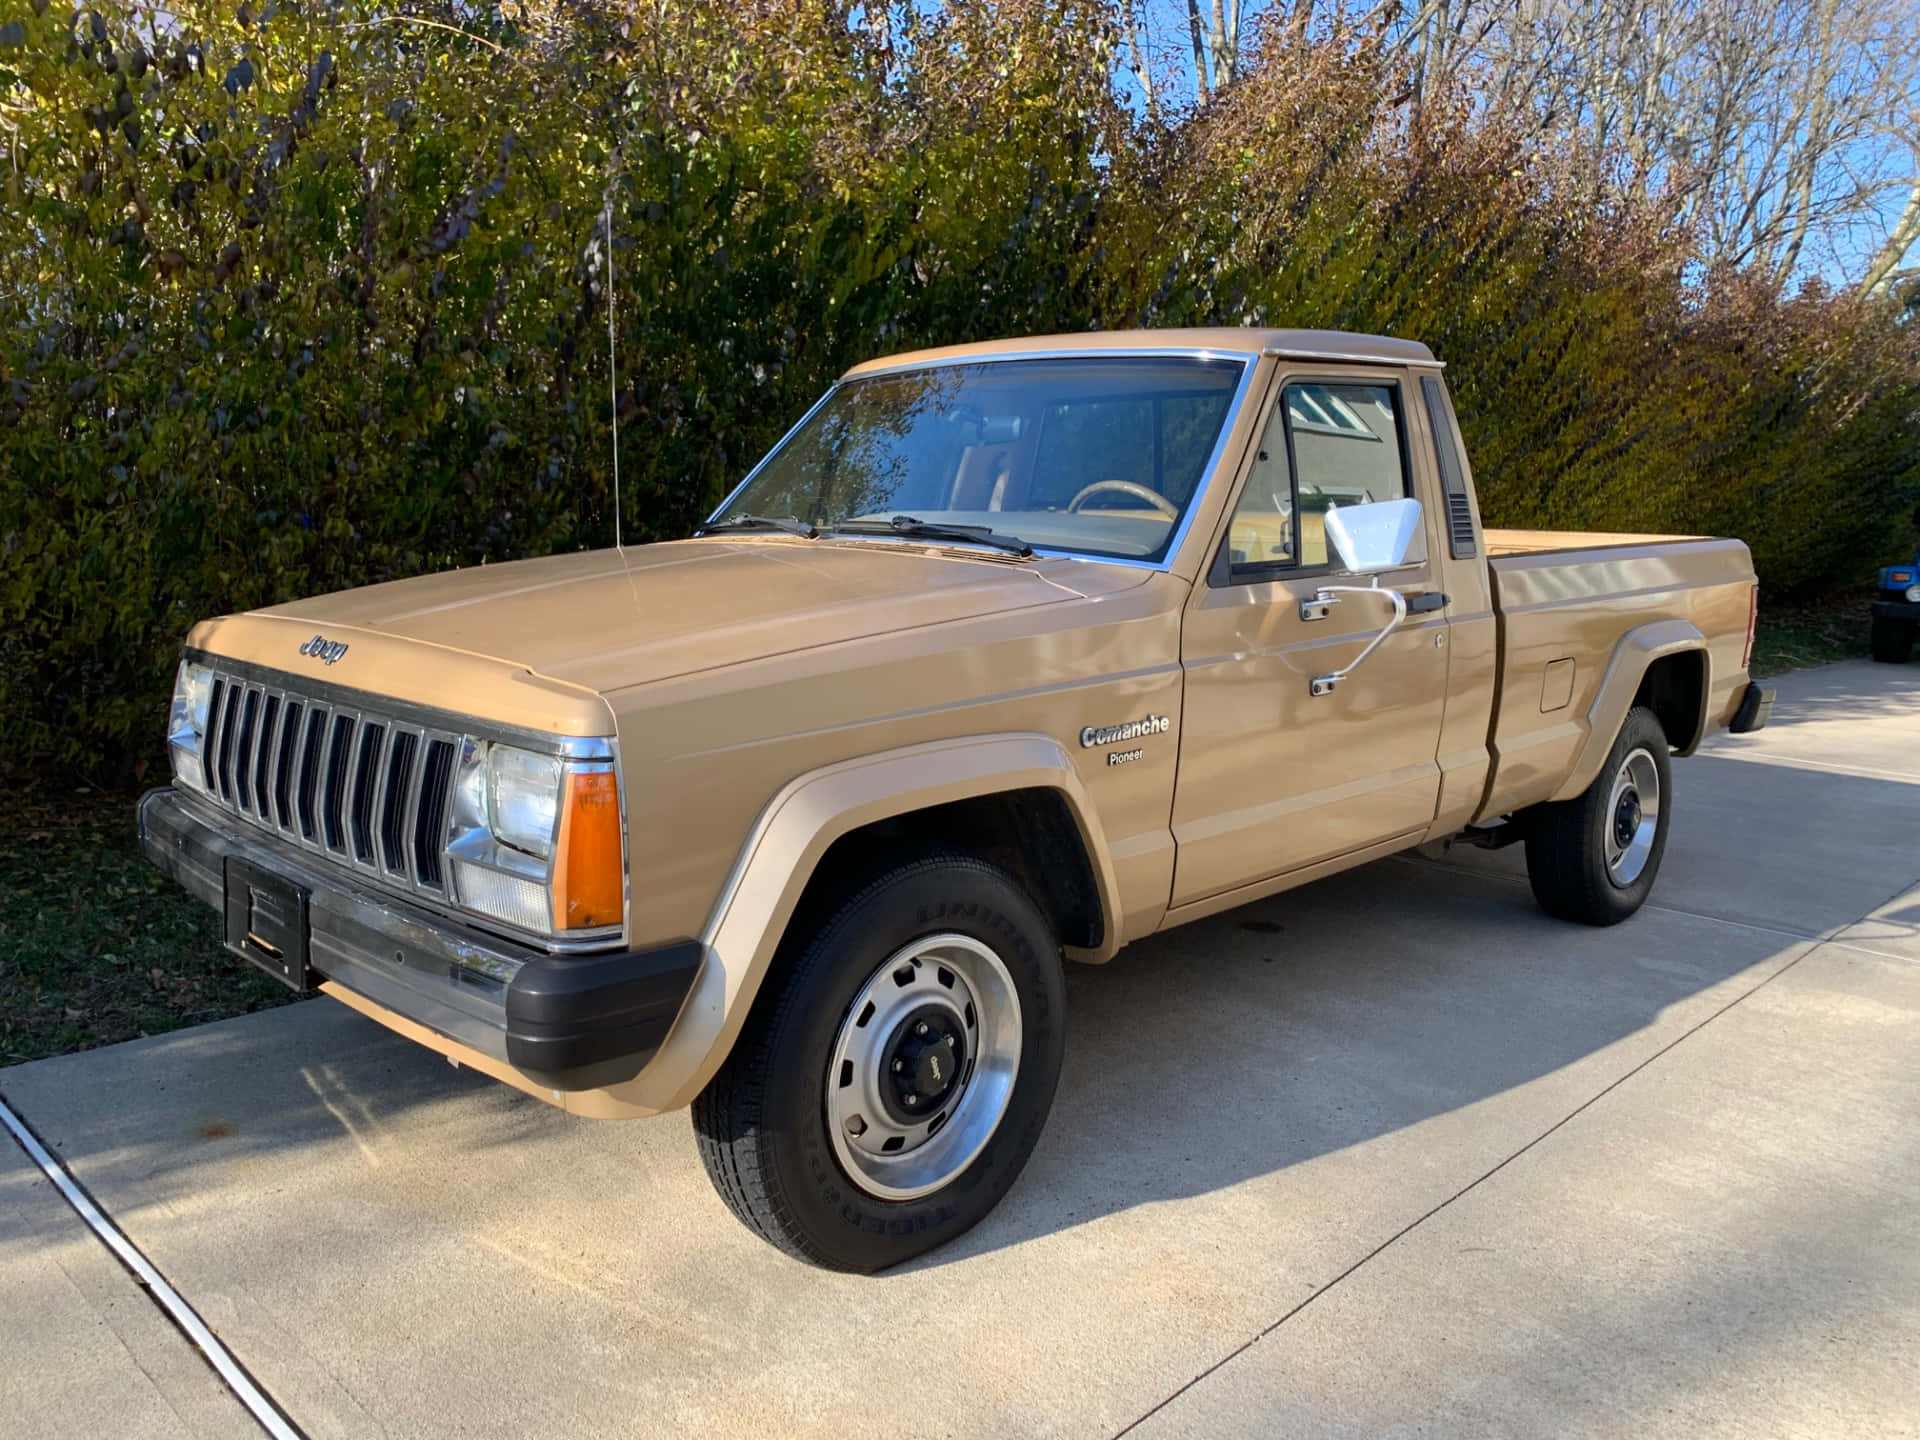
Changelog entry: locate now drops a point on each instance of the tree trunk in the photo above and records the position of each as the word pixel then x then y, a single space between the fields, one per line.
pixel 1199 32
pixel 1223 47
pixel 1141 64
pixel 1906 230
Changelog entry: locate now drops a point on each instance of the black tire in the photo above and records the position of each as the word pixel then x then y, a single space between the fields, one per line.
pixel 1891 640
pixel 763 1125
pixel 1567 842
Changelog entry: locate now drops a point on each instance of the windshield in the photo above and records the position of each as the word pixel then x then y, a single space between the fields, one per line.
pixel 1097 455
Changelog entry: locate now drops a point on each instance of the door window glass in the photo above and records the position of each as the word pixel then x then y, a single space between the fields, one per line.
pixel 1325 445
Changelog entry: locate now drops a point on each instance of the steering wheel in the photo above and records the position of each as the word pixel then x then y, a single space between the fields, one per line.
pixel 1127 487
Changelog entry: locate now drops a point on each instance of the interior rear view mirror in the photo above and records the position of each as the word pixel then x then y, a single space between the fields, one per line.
pixel 1384 535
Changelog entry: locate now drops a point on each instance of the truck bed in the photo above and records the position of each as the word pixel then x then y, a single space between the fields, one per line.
pixel 1565 600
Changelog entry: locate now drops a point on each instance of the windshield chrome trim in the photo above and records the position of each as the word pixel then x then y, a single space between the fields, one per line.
pixel 1248 360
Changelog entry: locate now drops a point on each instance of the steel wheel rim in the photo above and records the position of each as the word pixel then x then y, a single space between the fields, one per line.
pixel 1632 817
pixel 887 1148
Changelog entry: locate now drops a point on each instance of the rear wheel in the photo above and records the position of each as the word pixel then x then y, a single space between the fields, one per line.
pixel 1594 858
pixel 886 1094
pixel 1891 640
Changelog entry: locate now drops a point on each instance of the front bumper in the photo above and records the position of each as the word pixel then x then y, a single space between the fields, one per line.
pixel 1896 610
pixel 567 1022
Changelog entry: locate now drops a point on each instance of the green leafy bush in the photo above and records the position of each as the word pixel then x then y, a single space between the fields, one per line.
pixel 313 295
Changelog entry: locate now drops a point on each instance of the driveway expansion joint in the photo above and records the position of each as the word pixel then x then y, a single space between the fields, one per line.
pixel 244 1388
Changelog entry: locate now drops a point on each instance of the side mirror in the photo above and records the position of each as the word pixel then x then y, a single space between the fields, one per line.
pixel 1384 535
pixel 1367 539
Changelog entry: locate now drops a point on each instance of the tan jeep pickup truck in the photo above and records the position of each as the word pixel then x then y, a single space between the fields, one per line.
pixel 1006 654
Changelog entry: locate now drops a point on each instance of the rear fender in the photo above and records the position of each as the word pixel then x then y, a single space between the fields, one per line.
pixel 1638 649
pixel 788 840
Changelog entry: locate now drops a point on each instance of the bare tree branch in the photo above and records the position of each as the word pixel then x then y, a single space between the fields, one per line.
pixel 1199 31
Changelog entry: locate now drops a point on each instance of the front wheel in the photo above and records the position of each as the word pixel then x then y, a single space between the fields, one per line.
pixel 894 1077
pixel 1891 640
pixel 1594 858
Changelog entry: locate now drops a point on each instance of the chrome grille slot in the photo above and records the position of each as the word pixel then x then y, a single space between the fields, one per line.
pixel 243 746
pixel 223 757
pixel 216 733
pixel 431 821
pixel 339 754
pixel 395 800
pixel 310 771
pixel 263 757
pixel 370 758
pixel 283 764
pixel 366 791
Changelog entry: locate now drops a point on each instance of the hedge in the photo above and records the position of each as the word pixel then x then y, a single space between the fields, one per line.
pixel 312 295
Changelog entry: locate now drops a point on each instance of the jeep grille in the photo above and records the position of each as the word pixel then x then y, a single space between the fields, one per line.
pixel 363 789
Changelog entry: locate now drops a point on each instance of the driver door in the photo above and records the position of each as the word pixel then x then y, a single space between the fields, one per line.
pixel 1273 778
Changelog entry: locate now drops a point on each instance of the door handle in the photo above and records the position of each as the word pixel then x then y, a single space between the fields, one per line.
pixel 1418 603
pixel 1323 684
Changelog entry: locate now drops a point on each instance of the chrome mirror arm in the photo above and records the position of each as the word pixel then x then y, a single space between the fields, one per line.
pixel 1323 684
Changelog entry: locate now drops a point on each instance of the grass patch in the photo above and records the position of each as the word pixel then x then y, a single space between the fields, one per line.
pixel 1791 637
pixel 97 946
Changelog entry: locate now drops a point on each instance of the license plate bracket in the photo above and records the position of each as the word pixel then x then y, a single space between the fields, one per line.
pixel 267 923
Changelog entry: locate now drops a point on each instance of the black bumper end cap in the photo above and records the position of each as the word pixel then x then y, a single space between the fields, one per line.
pixel 581 1022
pixel 1756 706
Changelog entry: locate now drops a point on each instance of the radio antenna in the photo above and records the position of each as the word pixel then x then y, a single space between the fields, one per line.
pixel 613 377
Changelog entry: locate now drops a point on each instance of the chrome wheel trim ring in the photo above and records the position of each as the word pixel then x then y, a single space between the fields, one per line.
pixel 964 984
pixel 1632 817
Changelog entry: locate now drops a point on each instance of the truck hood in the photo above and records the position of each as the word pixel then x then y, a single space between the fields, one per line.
pixel 604 620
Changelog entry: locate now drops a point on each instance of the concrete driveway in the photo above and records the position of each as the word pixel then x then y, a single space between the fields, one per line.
pixel 1394 1153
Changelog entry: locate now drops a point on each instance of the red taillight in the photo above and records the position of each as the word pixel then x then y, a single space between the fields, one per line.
pixel 1753 623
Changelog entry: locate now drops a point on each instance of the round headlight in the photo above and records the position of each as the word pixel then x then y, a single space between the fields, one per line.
pixel 1913 594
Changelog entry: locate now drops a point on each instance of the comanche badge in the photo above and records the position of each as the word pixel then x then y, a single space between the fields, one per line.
pixel 324 650
pixel 1132 730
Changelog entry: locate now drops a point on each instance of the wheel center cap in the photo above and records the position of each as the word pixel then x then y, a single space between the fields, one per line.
pixel 1626 819
pixel 933 1070
pixel 924 1064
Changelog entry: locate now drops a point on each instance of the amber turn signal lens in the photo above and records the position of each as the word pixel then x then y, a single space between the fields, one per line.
pixel 587 867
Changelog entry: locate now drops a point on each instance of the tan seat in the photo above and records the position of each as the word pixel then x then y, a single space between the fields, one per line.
pixel 977 486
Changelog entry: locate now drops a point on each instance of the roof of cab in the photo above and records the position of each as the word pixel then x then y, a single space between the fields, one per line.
pixel 1292 344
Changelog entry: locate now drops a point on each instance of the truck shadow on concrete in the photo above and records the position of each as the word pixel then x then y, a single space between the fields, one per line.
pixel 1329 1016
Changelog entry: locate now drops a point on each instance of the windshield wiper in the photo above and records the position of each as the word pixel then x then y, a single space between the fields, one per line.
pixel 911 528
pixel 791 524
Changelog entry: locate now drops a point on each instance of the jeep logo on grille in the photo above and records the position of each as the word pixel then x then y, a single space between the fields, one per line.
pixel 324 650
